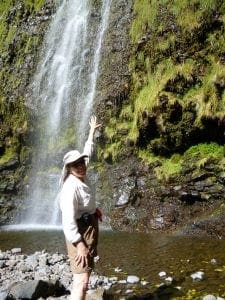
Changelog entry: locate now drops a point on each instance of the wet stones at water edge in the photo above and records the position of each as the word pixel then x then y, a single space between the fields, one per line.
pixel 47 276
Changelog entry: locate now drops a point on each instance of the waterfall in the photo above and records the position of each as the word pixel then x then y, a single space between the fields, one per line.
pixel 63 91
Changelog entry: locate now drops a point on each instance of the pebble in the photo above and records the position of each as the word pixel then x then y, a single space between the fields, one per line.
pixel 117 270
pixel 198 276
pixel 213 261
pixel 162 274
pixel 16 250
pixel 143 282
pixel 122 281
pixel 209 297
pixel 132 279
pixel 168 280
pixel 129 291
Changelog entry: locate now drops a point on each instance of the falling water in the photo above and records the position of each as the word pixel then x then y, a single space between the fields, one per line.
pixel 63 91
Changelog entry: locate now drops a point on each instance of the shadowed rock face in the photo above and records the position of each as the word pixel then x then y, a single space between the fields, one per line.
pixel 137 201
pixel 114 76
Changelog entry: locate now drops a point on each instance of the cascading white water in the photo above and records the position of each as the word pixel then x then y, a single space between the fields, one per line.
pixel 63 91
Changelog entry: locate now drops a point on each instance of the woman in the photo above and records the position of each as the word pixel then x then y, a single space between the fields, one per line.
pixel 79 217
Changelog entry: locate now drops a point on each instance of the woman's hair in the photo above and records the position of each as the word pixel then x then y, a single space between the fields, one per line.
pixel 67 172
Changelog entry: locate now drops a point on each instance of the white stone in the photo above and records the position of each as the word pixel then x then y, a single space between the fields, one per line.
pixel 128 291
pixel 132 279
pixel 209 297
pixel 117 270
pixel 16 250
pixel 168 280
pixel 162 274
pixel 96 259
pixel 197 276
pixel 122 281
pixel 113 279
pixel 213 261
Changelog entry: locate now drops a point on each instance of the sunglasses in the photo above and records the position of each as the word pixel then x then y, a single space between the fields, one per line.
pixel 78 163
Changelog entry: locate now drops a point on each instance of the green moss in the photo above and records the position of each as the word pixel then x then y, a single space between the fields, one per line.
pixel 16 45
pixel 111 152
pixel 219 211
pixel 149 157
pixel 146 17
pixel 24 153
pixel 9 154
pixel 36 4
pixel 170 167
pixel 205 150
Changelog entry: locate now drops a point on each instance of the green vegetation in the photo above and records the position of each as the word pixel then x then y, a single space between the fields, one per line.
pixel 196 156
pixel 17 46
pixel 201 151
pixel 178 80
pixel 36 4
pixel 9 154
pixel 169 168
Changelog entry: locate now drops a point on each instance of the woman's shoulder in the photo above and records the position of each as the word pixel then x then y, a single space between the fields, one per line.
pixel 69 186
pixel 72 180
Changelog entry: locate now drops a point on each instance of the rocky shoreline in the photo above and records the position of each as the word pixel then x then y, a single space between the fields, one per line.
pixel 47 276
pixel 42 275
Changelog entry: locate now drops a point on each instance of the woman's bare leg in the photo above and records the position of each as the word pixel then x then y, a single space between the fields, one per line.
pixel 80 286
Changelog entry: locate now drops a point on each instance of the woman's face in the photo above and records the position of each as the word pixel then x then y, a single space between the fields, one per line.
pixel 78 169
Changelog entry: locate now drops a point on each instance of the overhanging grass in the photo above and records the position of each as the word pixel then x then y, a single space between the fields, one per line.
pixel 205 150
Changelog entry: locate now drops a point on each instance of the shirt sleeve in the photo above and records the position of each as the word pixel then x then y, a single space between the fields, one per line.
pixel 88 150
pixel 69 206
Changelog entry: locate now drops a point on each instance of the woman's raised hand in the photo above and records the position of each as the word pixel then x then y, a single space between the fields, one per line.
pixel 93 123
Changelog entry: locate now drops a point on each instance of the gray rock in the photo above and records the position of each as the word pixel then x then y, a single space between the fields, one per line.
pixel 16 250
pixel 3 295
pixel 35 289
pixel 2 265
pixel 32 261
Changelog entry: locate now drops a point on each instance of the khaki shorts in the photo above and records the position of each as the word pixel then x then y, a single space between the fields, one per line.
pixel 89 235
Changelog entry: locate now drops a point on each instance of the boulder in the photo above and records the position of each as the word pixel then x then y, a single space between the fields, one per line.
pixel 35 289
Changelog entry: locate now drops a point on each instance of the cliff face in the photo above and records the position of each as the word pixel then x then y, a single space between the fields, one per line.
pixel 165 137
pixel 22 27
pixel 176 63
pixel 160 97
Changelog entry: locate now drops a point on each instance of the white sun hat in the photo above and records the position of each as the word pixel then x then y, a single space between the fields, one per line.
pixel 73 156
pixel 70 157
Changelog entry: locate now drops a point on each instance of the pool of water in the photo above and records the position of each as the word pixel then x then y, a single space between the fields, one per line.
pixel 140 254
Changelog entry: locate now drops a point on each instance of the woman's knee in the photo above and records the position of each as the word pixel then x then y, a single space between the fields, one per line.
pixel 81 281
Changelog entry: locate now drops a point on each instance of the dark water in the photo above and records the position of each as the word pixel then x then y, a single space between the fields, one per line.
pixel 142 255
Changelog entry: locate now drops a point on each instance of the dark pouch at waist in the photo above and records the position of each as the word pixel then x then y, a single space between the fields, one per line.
pixel 86 219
